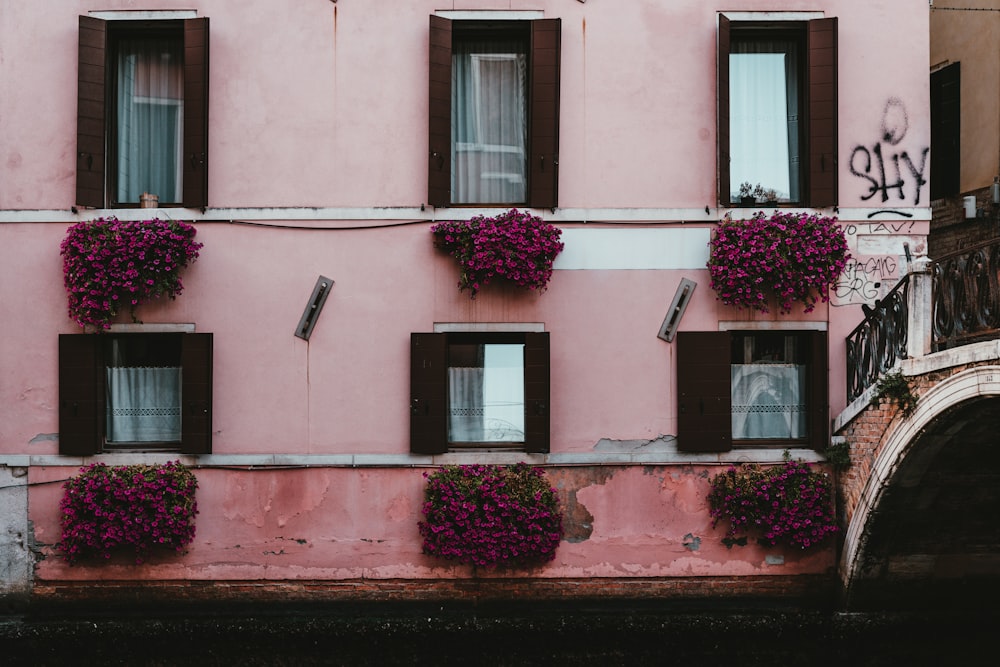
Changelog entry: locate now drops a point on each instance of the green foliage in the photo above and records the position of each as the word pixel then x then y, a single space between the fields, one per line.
pixel 895 388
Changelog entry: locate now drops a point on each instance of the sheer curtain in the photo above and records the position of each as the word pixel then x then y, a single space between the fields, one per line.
pixel 143 404
pixel 764 117
pixel 150 113
pixel 768 401
pixel 486 403
pixel 489 122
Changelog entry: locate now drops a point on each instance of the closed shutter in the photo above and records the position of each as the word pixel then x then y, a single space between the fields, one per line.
pixel 196 393
pixel 946 129
pixel 822 73
pixel 439 123
pixel 704 394
pixel 428 393
pixel 819 399
pixel 544 109
pixel 536 392
pixel 722 77
pixel 90 112
pixel 81 394
pixel 196 113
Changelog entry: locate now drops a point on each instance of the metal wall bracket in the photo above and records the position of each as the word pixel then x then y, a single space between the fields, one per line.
pixel 676 311
pixel 315 305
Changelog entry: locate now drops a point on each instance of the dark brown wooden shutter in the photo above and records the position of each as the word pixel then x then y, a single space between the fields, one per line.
pixel 704 394
pixel 196 393
pixel 196 113
pixel 90 112
pixel 946 127
pixel 819 400
pixel 822 73
pixel 543 169
pixel 428 393
pixel 81 395
pixel 439 123
pixel 537 404
pixel 722 77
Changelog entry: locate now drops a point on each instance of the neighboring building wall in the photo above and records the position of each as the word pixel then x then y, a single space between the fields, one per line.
pixel 318 166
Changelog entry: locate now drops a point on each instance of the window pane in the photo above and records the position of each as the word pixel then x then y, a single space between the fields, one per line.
pixel 486 393
pixel 143 380
pixel 769 380
pixel 489 122
pixel 764 117
pixel 149 112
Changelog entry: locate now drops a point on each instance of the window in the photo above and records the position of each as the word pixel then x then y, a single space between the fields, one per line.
pixel 494 112
pixel 946 126
pixel 751 388
pixel 135 390
pixel 142 112
pixel 486 390
pixel 778 109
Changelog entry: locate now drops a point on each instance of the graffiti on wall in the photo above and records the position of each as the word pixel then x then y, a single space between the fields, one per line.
pixel 889 170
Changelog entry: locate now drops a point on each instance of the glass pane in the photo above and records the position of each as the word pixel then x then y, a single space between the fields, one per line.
pixel 769 381
pixel 149 114
pixel 143 389
pixel 486 393
pixel 764 117
pixel 489 122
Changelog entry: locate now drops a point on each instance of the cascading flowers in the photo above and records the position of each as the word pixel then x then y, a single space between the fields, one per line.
pixel 110 265
pixel 788 504
pixel 141 508
pixel 792 256
pixel 489 515
pixel 515 245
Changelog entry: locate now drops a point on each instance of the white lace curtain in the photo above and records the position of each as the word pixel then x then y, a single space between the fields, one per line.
pixel 143 404
pixel 150 114
pixel 764 117
pixel 768 401
pixel 486 404
pixel 489 122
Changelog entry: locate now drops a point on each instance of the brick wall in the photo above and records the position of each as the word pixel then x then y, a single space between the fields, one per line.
pixel 951 231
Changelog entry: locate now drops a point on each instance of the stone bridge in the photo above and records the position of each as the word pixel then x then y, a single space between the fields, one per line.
pixel 921 498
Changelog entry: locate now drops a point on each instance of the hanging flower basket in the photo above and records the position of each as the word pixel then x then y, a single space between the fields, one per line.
pixel 514 246
pixel 490 515
pixel 789 504
pixel 112 266
pixel 137 508
pixel 792 257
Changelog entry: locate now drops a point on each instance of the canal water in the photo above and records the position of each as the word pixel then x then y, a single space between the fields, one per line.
pixel 578 634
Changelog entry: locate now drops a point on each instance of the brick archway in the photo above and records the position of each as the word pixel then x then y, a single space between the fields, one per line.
pixel 954 412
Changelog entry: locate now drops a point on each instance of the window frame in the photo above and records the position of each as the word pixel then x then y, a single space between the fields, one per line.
pixel 817 104
pixel 96 150
pixel 704 392
pixel 946 131
pixel 543 37
pixel 429 390
pixel 83 403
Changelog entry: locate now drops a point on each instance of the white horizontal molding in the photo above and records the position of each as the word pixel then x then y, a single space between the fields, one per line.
pixel 489 327
pixel 634 248
pixel 145 14
pixel 490 15
pixel 772 16
pixel 771 325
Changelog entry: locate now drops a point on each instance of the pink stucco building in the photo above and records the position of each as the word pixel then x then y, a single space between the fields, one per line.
pixel 323 139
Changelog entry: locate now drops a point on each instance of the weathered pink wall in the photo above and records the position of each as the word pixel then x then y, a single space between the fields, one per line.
pixel 320 106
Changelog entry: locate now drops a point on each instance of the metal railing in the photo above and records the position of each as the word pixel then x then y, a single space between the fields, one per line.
pixel 966 291
pixel 875 344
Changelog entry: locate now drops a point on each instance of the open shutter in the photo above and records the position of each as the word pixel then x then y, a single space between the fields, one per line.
pixel 722 78
pixel 819 400
pixel 543 168
pixel 90 112
pixel 822 72
pixel 704 394
pixel 946 126
pixel 196 393
pixel 439 123
pixel 81 395
pixel 428 393
pixel 536 392
pixel 196 113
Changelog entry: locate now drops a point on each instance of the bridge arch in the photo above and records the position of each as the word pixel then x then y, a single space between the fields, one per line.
pixel 955 427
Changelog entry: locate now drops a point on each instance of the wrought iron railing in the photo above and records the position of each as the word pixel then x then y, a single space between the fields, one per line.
pixel 966 291
pixel 875 345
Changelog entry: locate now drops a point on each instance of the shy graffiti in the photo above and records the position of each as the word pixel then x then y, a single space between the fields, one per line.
pixel 886 168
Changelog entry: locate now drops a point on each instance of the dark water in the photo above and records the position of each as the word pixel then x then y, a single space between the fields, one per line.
pixel 578 634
